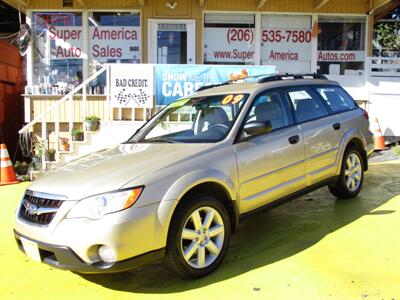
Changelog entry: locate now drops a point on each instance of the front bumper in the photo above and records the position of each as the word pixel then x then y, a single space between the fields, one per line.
pixel 62 257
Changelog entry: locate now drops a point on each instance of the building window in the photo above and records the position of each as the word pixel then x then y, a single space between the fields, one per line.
pixel 58 51
pixel 286 42
pixel 229 39
pixel 114 37
pixel 341 45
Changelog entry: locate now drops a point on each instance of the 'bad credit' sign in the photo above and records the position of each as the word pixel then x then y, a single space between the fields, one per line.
pixel 132 85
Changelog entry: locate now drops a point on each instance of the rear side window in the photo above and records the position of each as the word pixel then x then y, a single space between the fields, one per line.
pixel 306 107
pixel 336 98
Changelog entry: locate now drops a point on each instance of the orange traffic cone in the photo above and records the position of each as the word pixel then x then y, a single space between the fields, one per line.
pixel 7 174
pixel 378 137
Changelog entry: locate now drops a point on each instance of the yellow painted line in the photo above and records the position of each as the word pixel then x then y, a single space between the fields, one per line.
pixel 394 162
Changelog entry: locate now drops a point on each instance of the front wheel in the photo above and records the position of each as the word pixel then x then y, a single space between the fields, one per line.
pixel 351 177
pixel 199 237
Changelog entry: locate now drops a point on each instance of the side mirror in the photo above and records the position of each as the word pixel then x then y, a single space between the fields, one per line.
pixel 256 128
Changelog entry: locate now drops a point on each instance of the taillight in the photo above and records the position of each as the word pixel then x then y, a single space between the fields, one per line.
pixel 365 113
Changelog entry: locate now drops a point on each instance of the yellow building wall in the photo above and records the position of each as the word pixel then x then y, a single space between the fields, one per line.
pixel 186 9
pixel 95 105
pixel 191 9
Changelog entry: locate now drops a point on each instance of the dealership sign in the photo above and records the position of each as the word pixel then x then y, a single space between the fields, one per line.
pixel 341 56
pixel 106 42
pixel 68 42
pixel 177 81
pixel 228 45
pixel 112 42
pixel 285 44
pixel 132 85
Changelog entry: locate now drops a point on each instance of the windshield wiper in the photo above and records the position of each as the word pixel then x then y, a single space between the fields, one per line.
pixel 159 139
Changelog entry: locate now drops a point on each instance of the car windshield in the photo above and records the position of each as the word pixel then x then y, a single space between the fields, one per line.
pixel 205 119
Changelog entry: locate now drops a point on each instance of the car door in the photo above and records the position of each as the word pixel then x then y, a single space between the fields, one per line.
pixel 321 133
pixel 270 165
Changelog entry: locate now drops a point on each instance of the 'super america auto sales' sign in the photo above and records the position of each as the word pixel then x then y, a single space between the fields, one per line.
pixel 68 42
pixel 114 42
pixel 106 42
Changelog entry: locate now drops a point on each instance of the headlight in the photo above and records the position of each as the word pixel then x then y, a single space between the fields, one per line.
pixel 96 207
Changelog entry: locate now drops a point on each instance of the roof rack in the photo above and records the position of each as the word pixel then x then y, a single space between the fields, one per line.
pixel 265 78
pixel 206 87
pixel 291 76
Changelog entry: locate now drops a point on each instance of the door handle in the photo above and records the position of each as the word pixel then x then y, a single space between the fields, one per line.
pixel 294 139
pixel 336 126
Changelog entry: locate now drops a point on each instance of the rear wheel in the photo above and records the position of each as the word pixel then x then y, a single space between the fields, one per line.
pixel 199 237
pixel 351 177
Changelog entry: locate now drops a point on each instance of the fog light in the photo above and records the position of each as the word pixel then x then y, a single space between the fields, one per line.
pixel 107 254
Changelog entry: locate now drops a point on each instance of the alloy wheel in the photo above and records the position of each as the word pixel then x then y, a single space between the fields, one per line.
pixel 202 237
pixel 353 172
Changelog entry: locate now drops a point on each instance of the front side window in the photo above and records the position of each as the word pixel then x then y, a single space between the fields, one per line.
pixel 271 107
pixel 336 98
pixel 193 120
pixel 306 107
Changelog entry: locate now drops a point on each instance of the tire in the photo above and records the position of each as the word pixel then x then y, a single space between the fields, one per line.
pixel 206 253
pixel 351 176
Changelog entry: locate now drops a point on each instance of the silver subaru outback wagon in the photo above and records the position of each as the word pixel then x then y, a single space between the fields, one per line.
pixel 177 189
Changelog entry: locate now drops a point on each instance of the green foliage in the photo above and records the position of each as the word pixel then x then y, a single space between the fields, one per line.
pixel 396 150
pixel 21 164
pixel 92 118
pixel 388 35
pixel 40 148
pixel 76 131
pixel 64 141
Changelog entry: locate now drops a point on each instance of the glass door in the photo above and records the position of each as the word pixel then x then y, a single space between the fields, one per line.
pixel 171 41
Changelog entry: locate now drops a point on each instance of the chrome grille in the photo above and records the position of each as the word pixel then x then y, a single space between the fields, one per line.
pixel 37 210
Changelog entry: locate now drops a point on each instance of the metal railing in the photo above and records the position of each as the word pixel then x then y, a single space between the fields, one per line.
pixel 383 66
pixel 56 109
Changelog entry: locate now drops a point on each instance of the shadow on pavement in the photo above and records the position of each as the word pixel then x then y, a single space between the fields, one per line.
pixel 270 236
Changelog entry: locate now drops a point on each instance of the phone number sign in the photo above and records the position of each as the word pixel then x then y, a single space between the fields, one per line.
pixel 228 45
pixel 285 44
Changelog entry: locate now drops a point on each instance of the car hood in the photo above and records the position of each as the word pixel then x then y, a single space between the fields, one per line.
pixel 110 169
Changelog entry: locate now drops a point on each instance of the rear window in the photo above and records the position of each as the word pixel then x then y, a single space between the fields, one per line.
pixel 336 98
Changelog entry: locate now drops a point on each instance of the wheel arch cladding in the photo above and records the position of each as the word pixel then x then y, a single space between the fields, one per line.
pixel 356 143
pixel 220 192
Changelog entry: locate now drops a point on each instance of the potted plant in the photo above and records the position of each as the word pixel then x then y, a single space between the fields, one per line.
pixel 21 168
pixel 77 135
pixel 51 154
pixel 64 144
pixel 91 123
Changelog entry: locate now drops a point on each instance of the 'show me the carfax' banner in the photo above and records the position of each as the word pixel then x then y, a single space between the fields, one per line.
pixel 176 81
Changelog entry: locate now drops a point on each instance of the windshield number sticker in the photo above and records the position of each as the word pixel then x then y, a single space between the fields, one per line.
pixel 231 99
pixel 237 99
pixel 227 100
